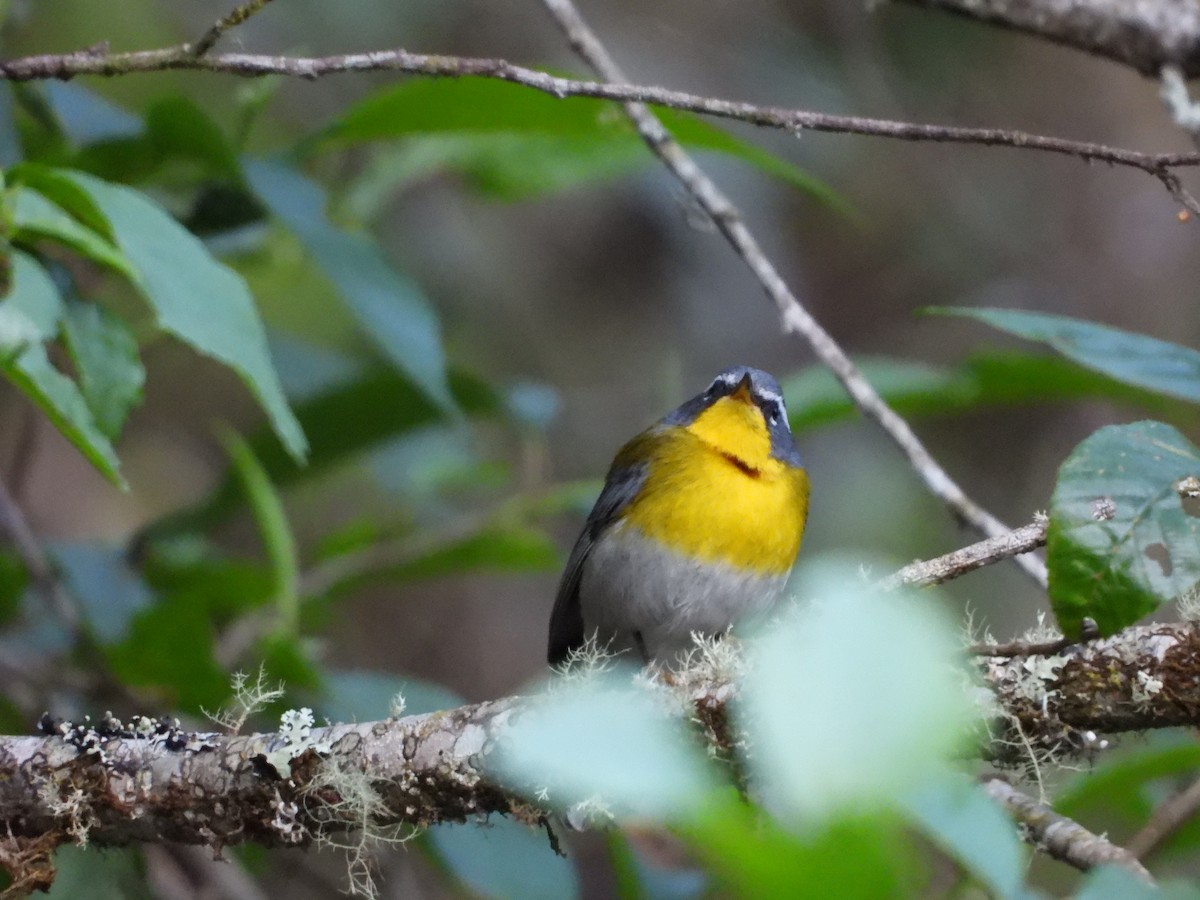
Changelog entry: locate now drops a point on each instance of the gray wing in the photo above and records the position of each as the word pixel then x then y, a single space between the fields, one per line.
pixel 566 621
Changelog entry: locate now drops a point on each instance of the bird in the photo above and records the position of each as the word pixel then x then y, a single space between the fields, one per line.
pixel 697 527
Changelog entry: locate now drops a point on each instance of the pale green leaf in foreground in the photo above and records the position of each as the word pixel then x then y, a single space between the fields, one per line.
pixel 853 698
pixel 606 738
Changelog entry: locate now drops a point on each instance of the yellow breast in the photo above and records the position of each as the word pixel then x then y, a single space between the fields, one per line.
pixel 713 492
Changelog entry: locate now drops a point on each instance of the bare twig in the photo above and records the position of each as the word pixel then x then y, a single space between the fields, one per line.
pixel 234 19
pixel 96 62
pixel 795 316
pixel 1146 35
pixel 944 568
pixel 1022 648
pixel 1060 837
pixel 1168 817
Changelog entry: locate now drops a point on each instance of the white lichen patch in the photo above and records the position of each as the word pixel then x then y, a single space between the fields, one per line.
pixel 1145 687
pixel 295 731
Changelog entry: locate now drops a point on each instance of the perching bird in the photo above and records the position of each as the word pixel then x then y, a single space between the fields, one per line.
pixel 697 526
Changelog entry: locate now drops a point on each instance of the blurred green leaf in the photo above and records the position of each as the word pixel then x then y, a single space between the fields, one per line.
pixel 176 130
pixel 85 115
pixel 504 859
pixel 1131 358
pixel 35 217
pixel 341 422
pixel 850 857
pixel 514 140
pixel 1117 785
pixel 180 128
pixel 605 737
pixel 351 695
pixel 1124 530
pixel 1114 883
pixel 34 296
pixel 109 593
pixel 390 308
pixel 169 650
pixel 816 399
pixel 275 530
pixel 58 186
pixel 14 580
pixel 196 298
pixel 506 548
pixel 960 818
pixel 106 359
pixel 111 874
pixel 879 737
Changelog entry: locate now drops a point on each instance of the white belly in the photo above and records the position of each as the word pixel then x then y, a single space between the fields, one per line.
pixel 633 585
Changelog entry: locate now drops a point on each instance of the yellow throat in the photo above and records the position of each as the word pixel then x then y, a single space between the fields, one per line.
pixel 714 492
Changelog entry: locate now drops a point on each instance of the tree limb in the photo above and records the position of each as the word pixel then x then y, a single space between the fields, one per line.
pixel 97 61
pixel 944 568
pixel 1060 837
pixel 1144 34
pixel 218 790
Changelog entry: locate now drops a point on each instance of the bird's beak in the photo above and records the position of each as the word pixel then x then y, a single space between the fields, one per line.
pixel 742 391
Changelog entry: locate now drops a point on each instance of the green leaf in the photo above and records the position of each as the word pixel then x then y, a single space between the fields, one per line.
pixel 528 131
pixel 504 859
pixel 816 399
pixel 58 186
pixel 274 529
pixel 605 737
pixel 106 358
pixel 1116 788
pixel 506 548
pixel 169 648
pixel 1124 530
pixel 35 298
pixel 1113 882
pixel 853 857
pixel 390 308
pixel 880 738
pixel 960 818
pixel 114 874
pixel 34 295
pixel 196 298
pixel 34 217
pixel 1131 358
pixel 342 422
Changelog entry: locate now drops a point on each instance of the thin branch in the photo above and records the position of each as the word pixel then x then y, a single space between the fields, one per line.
pixel 1025 539
pixel 1060 837
pixel 795 317
pixel 96 61
pixel 1147 34
pixel 1167 818
pixel 234 19
pixel 1022 648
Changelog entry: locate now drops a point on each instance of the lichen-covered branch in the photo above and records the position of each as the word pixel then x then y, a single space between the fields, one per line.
pixel 1060 837
pixel 114 783
pixel 1144 34
pixel 1144 677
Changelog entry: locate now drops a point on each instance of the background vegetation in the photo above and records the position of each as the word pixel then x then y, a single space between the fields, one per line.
pixel 470 294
